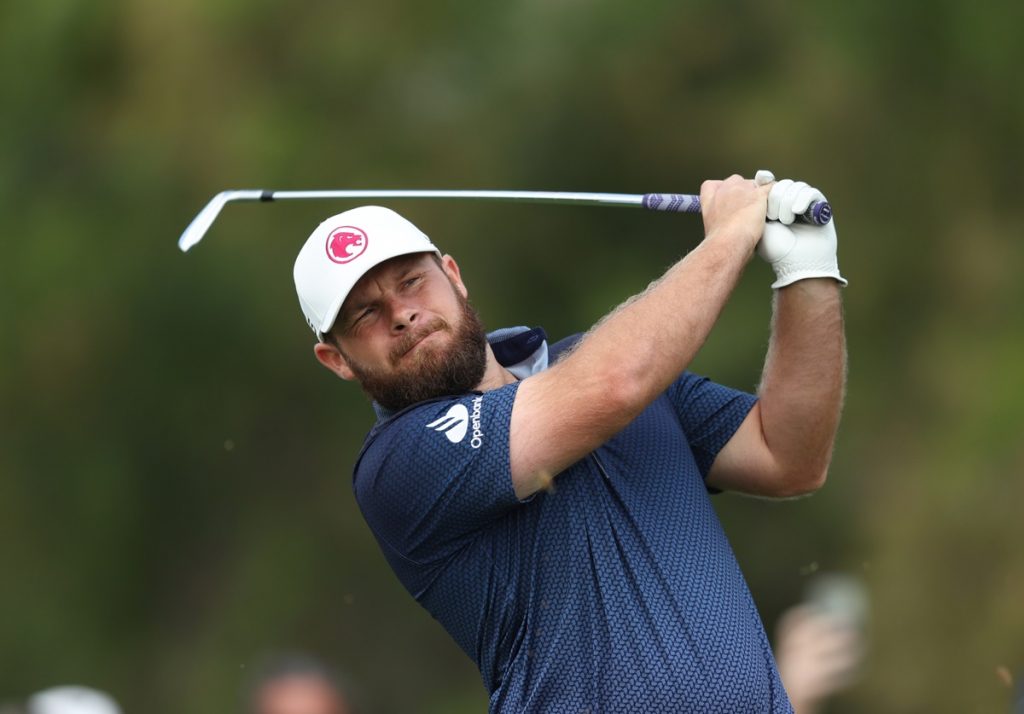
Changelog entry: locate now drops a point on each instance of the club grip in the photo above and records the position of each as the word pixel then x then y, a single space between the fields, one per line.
pixel 673 202
pixel 819 213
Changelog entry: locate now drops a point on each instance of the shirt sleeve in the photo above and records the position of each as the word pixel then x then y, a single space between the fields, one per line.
pixel 709 414
pixel 437 473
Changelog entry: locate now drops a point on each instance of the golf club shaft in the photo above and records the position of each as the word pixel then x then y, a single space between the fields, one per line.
pixel 818 213
pixel 689 204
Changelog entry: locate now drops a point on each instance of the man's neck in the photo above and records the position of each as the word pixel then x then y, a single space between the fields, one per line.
pixel 495 375
pixel 524 350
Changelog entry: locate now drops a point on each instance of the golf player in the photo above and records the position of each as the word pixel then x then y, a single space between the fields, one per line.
pixel 549 504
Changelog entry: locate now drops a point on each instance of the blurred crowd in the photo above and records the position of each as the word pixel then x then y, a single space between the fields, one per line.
pixel 820 647
pixel 820 642
pixel 290 683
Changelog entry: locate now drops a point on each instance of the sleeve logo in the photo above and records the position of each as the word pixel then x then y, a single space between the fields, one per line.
pixel 455 424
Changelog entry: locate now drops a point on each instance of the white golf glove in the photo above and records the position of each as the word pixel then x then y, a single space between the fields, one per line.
pixel 795 250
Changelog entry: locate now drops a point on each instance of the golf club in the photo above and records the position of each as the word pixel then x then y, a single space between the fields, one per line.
pixel 818 213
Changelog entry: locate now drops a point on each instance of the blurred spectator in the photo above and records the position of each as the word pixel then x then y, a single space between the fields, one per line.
pixel 297 684
pixel 71 700
pixel 819 644
pixel 1018 697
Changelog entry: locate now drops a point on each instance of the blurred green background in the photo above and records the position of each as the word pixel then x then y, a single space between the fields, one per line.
pixel 175 467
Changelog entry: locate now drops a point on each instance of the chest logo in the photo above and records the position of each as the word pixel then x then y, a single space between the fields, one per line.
pixel 454 424
pixel 346 243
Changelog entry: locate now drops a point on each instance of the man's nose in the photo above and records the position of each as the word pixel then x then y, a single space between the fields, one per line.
pixel 403 316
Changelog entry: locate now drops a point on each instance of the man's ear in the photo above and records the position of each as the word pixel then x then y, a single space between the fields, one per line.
pixel 451 269
pixel 329 356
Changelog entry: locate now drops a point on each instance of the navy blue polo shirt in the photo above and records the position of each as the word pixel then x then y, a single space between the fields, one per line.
pixel 616 591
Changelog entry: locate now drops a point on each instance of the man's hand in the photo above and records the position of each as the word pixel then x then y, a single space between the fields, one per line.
pixel 736 208
pixel 818 654
pixel 797 251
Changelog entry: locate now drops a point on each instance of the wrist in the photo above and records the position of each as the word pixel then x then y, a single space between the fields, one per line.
pixel 827 277
pixel 825 285
pixel 735 238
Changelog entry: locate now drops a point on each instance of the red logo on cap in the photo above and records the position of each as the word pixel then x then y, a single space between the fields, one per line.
pixel 345 244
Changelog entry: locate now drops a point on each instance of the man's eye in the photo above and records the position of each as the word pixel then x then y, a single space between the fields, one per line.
pixel 411 281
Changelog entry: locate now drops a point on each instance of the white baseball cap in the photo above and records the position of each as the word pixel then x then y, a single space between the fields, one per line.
pixel 72 700
pixel 344 248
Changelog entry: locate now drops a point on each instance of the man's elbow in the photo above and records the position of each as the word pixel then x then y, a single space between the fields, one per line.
pixel 622 397
pixel 801 481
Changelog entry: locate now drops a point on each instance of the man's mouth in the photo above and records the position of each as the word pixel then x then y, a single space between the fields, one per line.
pixel 419 341
pixel 413 340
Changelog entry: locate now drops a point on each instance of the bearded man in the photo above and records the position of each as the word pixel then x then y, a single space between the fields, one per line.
pixel 550 505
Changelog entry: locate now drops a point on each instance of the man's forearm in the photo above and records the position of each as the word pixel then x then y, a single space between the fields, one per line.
pixel 621 366
pixel 630 357
pixel 804 378
pixel 651 339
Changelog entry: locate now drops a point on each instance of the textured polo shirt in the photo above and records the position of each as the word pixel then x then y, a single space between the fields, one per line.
pixel 616 591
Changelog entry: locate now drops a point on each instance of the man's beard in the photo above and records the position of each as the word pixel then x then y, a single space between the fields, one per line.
pixel 433 371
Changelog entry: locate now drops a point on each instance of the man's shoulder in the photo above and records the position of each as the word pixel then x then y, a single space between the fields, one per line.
pixel 564 346
pixel 408 421
pixel 435 426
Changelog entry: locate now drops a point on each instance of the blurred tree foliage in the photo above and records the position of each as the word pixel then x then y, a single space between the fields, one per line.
pixel 174 467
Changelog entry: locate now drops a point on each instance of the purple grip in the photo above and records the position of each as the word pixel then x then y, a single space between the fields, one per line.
pixel 819 213
pixel 675 202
